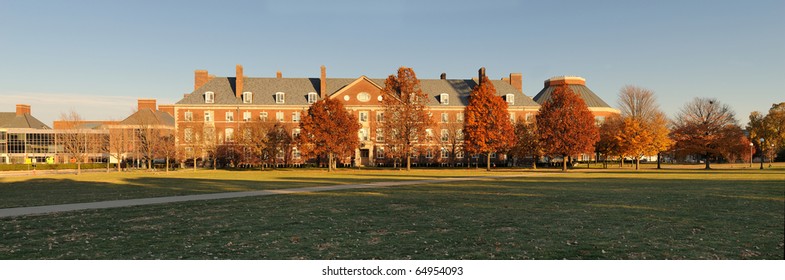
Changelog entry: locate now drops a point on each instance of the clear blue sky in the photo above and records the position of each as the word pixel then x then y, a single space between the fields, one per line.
pixel 97 57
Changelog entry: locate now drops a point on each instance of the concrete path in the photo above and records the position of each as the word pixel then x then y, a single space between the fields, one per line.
pixel 47 209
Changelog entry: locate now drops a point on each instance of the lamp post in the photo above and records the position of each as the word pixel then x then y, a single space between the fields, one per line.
pixel 771 157
pixel 762 154
pixel 751 145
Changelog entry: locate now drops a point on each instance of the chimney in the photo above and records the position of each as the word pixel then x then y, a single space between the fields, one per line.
pixel 278 75
pixel 146 104
pixel 200 78
pixel 22 109
pixel 167 108
pixel 238 81
pixel 443 76
pixel 480 74
pixel 516 80
pixel 323 83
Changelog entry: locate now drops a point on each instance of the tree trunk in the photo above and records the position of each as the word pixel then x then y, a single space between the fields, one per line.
pixel 707 161
pixel 194 163
pixel 215 161
pixel 330 162
pixel 534 164
pixel 564 163
pixel 637 162
pixel 488 162
pixel 78 168
pixel 658 160
pixel 108 165
pixel 167 164
pixel 408 162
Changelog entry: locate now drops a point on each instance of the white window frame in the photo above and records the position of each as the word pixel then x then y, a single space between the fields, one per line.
pixel 379 116
pixel 280 98
pixel 459 117
pixel 229 134
pixel 279 116
pixel 188 134
pixel 512 117
pixel 188 116
pixel 445 118
pixel 246 116
pixel 296 153
pixel 445 153
pixel 263 116
pixel 510 98
pixel 362 134
pixel 458 154
pixel 208 117
pixel 247 97
pixel 445 134
pixel 428 154
pixel 379 152
pixel 295 133
pixel 379 135
pixel 230 116
pixel 295 116
pixel 312 97
pixel 209 97
pixel 363 116
pixel 444 99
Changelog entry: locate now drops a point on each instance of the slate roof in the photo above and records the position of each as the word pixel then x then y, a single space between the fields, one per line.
pixel 12 120
pixel 149 117
pixel 588 96
pixel 297 89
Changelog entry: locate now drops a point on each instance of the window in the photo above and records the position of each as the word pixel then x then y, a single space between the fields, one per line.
pixel 459 154
pixel 246 116
pixel 229 116
pixel 247 133
pixel 263 116
pixel 229 133
pixel 510 99
pixel 493 155
pixel 363 134
pixel 188 116
pixel 247 97
pixel 428 153
pixel 296 153
pixel 445 118
pixel 445 135
pixel 363 116
pixel 188 134
pixel 295 133
pixel 379 135
pixel 279 116
pixel 208 116
pixel 599 120
pixel 312 97
pixel 459 135
pixel 279 97
pixel 295 116
pixel 445 153
pixel 529 117
pixel 379 152
pixel 363 97
pixel 459 117
pixel 209 97
pixel 444 99
pixel 379 116
pixel 512 117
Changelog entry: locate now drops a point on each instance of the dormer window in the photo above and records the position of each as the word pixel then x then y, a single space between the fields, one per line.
pixel 247 97
pixel 444 99
pixel 209 97
pixel 510 98
pixel 279 97
pixel 312 97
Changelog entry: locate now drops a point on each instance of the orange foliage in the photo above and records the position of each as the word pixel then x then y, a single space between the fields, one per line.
pixel 487 125
pixel 328 130
pixel 566 125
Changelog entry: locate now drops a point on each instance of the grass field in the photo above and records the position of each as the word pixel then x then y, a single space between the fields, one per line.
pixel 590 214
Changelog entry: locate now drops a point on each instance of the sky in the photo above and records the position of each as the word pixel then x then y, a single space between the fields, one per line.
pixel 98 57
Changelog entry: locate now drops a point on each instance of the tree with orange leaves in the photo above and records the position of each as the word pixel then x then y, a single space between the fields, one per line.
pixel 406 114
pixel 487 125
pixel 566 125
pixel 328 130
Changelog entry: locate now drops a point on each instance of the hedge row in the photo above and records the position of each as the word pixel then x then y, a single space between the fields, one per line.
pixel 23 167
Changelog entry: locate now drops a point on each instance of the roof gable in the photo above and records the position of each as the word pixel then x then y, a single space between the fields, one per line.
pixel 12 120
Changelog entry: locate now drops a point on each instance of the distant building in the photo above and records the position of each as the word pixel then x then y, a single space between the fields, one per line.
pixel 597 106
pixel 25 139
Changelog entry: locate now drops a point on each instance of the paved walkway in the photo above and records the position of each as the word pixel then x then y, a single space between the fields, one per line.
pixel 47 209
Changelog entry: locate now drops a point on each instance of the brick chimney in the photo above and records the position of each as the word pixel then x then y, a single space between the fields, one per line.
pixel 146 104
pixel 323 83
pixel 200 78
pixel 22 109
pixel 238 82
pixel 480 74
pixel 516 80
pixel 278 75
pixel 443 76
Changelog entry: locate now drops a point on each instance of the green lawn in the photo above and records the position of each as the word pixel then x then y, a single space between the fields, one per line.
pixel 606 214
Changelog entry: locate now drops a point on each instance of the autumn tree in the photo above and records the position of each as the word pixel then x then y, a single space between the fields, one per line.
pixel 608 144
pixel 487 127
pixel 254 137
pixel 166 147
pixel 700 125
pixel 566 125
pixel 327 129
pixel 451 139
pixel 644 128
pixel 733 144
pixel 769 127
pixel 527 142
pixel 280 143
pixel 406 113
pixel 118 144
pixel 73 139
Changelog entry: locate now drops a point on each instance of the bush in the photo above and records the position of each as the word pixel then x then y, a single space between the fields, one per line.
pixel 24 167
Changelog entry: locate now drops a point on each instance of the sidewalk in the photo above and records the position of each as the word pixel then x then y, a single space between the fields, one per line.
pixel 48 209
